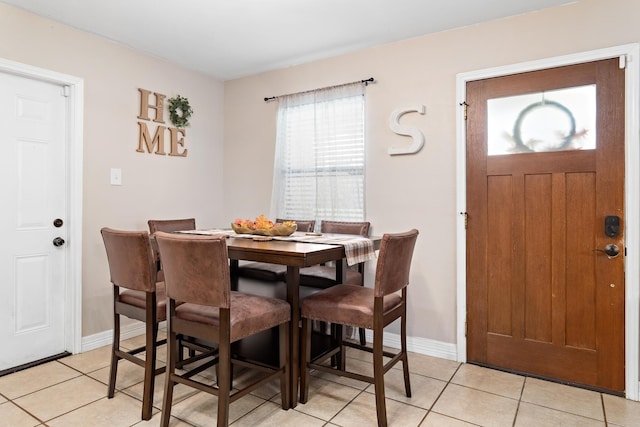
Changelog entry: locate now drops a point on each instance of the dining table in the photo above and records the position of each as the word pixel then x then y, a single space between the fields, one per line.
pixel 297 251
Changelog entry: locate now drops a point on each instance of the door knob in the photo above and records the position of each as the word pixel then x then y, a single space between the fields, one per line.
pixel 58 241
pixel 611 250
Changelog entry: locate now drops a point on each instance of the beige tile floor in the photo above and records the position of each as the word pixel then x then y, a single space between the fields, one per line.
pixel 72 392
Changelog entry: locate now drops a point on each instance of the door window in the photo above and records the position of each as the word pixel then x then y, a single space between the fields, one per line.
pixel 556 120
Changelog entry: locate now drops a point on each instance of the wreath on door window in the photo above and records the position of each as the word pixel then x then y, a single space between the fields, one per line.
pixel 179 111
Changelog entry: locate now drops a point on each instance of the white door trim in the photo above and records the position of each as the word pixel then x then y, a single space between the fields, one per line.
pixel 74 144
pixel 631 53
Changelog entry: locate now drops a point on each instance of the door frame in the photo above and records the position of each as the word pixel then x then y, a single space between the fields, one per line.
pixel 630 57
pixel 73 182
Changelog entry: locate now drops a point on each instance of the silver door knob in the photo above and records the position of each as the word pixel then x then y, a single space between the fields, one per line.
pixel 610 250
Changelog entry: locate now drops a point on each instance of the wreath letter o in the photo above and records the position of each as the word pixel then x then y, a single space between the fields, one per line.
pixel 179 111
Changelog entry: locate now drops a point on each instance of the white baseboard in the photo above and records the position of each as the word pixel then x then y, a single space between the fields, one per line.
pixel 417 345
pixel 101 339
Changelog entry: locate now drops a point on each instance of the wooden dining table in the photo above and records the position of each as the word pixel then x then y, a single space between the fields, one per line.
pixel 294 255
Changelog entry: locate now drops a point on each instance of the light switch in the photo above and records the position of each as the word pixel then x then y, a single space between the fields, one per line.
pixel 116 176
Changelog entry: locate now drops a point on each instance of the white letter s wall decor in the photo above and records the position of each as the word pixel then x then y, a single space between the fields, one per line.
pixel 412 131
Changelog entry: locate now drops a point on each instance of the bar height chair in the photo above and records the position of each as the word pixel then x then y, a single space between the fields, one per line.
pixel 197 276
pixel 324 276
pixel 136 295
pixel 167 225
pixel 365 308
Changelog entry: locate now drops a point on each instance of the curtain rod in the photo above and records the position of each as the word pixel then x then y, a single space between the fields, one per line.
pixel 365 82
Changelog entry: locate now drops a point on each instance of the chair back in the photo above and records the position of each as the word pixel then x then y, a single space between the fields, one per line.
pixel 170 225
pixel 304 225
pixel 196 268
pixel 394 262
pixel 130 258
pixel 345 227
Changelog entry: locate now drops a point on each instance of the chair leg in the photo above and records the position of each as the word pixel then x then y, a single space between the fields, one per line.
pixel 224 382
pixel 114 358
pixel 378 378
pixel 363 338
pixel 151 335
pixel 305 358
pixel 405 357
pixel 285 389
pixel 341 357
pixel 172 357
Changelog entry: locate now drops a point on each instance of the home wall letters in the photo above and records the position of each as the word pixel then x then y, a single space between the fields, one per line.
pixel 148 143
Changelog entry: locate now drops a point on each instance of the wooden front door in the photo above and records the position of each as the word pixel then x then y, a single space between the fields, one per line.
pixel 545 187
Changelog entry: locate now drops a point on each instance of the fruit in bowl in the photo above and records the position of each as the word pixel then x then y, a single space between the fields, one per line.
pixel 263 226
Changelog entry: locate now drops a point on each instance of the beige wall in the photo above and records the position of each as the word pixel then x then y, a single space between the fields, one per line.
pixel 153 186
pixel 416 190
pixel 402 191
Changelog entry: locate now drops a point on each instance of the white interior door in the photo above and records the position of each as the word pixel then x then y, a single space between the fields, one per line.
pixel 33 158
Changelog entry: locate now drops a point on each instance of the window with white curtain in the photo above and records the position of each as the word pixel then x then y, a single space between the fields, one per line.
pixel 320 159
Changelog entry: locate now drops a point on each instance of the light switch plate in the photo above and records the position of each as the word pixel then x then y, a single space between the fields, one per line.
pixel 116 176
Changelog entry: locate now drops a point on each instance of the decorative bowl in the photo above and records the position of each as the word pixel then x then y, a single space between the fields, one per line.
pixel 276 230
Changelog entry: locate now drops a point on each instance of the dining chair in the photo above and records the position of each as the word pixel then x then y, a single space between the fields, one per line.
pixel 168 225
pixel 197 276
pixel 267 272
pixel 371 308
pixel 324 276
pixel 136 295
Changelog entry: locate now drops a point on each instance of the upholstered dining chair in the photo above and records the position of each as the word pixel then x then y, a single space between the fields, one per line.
pixel 324 276
pixel 136 295
pixel 365 308
pixel 272 272
pixel 197 275
pixel 167 225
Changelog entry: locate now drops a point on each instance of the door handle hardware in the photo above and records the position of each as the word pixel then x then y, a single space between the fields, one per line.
pixel 610 250
pixel 58 241
pixel 612 225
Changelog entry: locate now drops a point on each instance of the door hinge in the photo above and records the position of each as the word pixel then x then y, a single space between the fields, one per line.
pixel 466 219
pixel 622 62
pixel 466 328
pixel 66 91
pixel 464 105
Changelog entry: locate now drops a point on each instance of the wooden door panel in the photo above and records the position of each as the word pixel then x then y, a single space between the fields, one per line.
pixel 543 359
pixel 542 297
pixel 537 235
pixel 500 254
pixel 580 265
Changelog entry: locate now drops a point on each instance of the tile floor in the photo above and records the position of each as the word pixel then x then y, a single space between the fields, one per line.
pixel 72 392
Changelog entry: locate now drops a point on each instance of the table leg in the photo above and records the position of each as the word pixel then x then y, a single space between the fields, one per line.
pixel 341 270
pixel 233 274
pixel 293 298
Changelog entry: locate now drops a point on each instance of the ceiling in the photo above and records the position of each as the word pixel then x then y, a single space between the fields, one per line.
pixel 228 39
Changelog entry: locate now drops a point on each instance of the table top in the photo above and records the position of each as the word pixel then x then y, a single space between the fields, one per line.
pixel 280 250
pixel 283 252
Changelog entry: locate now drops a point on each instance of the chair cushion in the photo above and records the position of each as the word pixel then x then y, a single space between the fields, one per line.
pixel 322 276
pixel 346 305
pixel 249 314
pixel 263 271
pixel 138 299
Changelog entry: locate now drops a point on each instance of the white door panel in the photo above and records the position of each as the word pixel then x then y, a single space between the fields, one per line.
pixel 32 172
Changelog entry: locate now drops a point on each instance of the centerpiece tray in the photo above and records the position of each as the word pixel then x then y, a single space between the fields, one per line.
pixel 276 230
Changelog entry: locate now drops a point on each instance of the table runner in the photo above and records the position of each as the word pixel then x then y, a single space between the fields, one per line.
pixel 357 248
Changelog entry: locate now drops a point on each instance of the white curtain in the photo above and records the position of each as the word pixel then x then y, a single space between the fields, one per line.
pixel 320 158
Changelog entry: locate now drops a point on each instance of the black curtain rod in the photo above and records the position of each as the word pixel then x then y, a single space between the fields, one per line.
pixel 364 82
